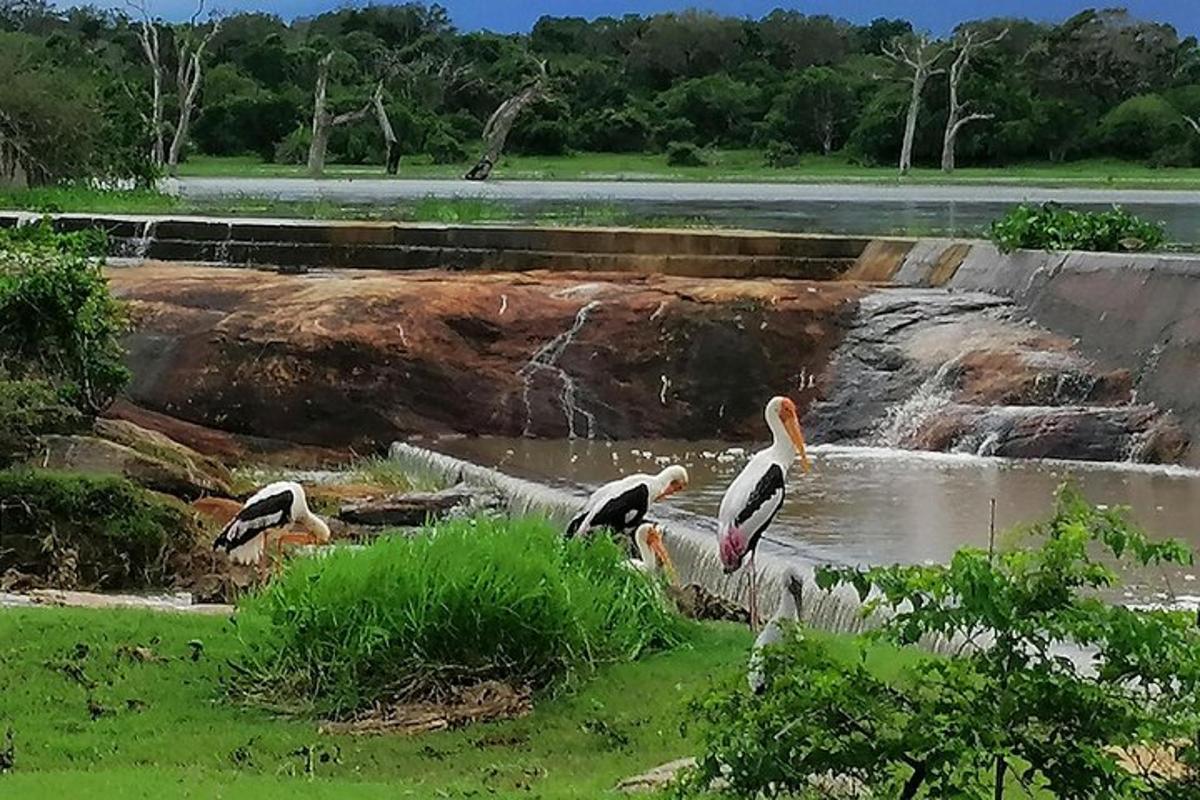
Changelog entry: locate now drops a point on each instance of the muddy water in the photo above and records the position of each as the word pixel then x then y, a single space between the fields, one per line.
pixel 875 505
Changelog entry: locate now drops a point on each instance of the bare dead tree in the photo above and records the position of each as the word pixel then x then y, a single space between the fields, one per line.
pixel 920 54
pixel 324 120
pixel 959 116
pixel 392 161
pixel 149 39
pixel 1192 121
pixel 189 54
pixel 495 132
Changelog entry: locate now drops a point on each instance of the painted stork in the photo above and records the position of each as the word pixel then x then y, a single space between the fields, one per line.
pixel 272 506
pixel 772 633
pixel 649 540
pixel 756 494
pixel 621 505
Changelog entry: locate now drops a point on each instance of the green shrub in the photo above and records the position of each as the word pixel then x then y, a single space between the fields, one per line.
pixel 293 148
pixel 781 154
pixel 90 531
pixel 445 148
pixel 1011 709
pixel 58 321
pixel 1051 227
pixel 29 408
pixel 685 154
pixel 1140 127
pixel 470 600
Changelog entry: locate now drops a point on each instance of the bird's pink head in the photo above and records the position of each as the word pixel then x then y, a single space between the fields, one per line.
pixel 733 546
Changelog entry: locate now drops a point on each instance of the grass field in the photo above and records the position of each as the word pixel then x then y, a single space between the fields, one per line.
pixel 730 165
pixel 88 714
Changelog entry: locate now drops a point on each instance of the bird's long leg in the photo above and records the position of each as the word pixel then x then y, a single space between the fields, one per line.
pixel 753 594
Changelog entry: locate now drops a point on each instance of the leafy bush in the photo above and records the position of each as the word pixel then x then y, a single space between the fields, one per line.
pixel 468 601
pixel 293 148
pixel 685 154
pixel 29 408
pixel 1140 127
pixel 90 531
pixel 781 154
pixel 1009 709
pixel 58 321
pixel 1051 227
pixel 610 130
pixel 445 148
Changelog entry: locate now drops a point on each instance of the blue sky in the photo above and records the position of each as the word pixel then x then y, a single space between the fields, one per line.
pixel 939 17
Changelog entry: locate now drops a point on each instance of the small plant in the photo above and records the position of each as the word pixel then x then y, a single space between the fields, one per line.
pixel 781 154
pixel 1051 227
pixel 28 409
pixel 1010 712
pixel 685 154
pixel 417 617
pixel 58 321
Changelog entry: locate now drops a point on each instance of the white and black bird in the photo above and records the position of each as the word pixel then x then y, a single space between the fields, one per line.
pixel 756 494
pixel 790 603
pixel 622 504
pixel 652 552
pixel 272 506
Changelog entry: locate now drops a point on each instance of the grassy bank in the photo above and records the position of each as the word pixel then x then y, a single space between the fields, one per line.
pixel 90 711
pixel 731 165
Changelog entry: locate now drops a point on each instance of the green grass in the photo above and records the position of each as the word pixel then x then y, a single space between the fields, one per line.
pixel 732 165
pixel 469 600
pixel 163 729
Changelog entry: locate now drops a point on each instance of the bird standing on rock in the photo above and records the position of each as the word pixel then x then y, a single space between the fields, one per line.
pixel 273 506
pixel 622 504
pixel 756 494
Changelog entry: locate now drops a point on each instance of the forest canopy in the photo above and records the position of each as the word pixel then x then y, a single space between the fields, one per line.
pixel 78 96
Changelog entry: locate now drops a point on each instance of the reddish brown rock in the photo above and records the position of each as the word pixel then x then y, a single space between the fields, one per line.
pixel 361 358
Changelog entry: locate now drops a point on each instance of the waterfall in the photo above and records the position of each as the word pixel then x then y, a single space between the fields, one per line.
pixel 221 254
pixel 903 421
pixel 139 247
pixel 546 360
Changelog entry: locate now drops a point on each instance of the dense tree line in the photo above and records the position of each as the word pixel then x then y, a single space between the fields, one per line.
pixel 400 78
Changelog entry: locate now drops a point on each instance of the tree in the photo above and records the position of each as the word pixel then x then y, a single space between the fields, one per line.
pixel 495 132
pixel 324 120
pixel 718 107
pixel 919 54
pixel 148 37
pixel 190 43
pixel 812 110
pixel 966 43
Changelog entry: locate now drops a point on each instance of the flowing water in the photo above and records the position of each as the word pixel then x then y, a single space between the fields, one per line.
pixel 866 505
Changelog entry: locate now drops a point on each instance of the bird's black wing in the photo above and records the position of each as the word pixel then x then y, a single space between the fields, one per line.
pixel 625 511
pixel 573 525
pixel 254 518
pixel 763 503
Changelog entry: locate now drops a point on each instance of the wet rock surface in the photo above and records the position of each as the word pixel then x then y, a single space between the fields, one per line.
pixel 360 359
pixel 963 371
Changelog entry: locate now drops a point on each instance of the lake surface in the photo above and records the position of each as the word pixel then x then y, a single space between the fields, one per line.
pixel 863 505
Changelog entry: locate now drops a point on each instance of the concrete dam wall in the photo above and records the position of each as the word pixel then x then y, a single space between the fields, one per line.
pixel 402 330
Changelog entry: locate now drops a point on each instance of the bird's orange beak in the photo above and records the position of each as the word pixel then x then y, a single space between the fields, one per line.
pixel 655 540
pixel 672 488
pixel 792 425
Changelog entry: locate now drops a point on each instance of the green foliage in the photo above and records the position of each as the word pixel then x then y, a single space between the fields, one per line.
pixel 1051 227
pixel 58 320
pixel 293 148
pixel 1009 708
pixel 90 531
pixel 813 110
pixel 1142 126
pixel 718 107
pixel 623 130
pixel 29 408
pixel 780 155
pixel 467 601
pixel 445 148
pixel 685 154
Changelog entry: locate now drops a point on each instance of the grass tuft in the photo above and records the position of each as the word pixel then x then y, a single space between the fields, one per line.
pixel 467 601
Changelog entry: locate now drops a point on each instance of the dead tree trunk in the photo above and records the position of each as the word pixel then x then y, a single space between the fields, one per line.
pixel 324 121
pixel 955 121
pixel 495 133
pixel 392 164
pixel 187 81
pixel 148 37
pixel 920 55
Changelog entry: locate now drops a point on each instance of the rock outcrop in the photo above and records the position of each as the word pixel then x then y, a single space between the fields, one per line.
pixel 359 359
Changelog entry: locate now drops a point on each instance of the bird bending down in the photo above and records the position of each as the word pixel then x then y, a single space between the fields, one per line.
pixel 621 505
pixel 272 506
pixel 790 604
pixel 649 540
pixel 756 494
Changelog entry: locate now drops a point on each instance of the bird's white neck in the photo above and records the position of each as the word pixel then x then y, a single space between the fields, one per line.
pixel 789 606
pixel 642 539
pixel 781 444
pixel 315 524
